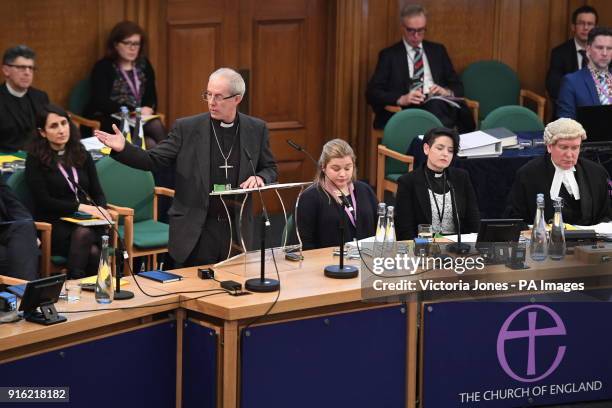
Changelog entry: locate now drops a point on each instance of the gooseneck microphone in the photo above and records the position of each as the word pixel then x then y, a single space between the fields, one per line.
pixel 457 247
pixel 261 284
pixel 340 271
pixel 120 254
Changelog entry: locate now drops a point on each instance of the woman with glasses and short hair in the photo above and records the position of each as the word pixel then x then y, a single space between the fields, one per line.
pixel 125 77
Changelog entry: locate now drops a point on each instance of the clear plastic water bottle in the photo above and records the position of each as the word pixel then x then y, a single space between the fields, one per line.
pixel 390 224
pixel 138 138
pixel 125 123
pixel 538 248
pixel 380 226
pixel 104 281
pixel 557 247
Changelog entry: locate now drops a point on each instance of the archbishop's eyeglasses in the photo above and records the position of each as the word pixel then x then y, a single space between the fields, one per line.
pixel 22 68
pixel 209 97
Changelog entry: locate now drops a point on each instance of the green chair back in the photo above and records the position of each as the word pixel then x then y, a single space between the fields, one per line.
pixel 492 84
pixel 515 118
pixel 79 97
pixel 127 187
pixel 401 130
pixel 18 184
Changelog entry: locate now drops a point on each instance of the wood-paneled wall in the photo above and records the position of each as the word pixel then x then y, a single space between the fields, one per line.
pixel 69 35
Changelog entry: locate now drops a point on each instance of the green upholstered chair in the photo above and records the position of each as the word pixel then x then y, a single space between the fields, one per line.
pixel 133 195
pixel 399 132
pixel 48 263
pixel 515 118
pixel 77 100
pixel 493 84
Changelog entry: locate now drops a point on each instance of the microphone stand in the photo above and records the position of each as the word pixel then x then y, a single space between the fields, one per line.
pixel 118 252
pixel 261 284
pixel 340 271
pixel 457 247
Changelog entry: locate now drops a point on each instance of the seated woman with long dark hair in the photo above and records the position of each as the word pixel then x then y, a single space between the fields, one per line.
pixel 435 193
pixel 319 210
pixel 58 168
pixel 125 77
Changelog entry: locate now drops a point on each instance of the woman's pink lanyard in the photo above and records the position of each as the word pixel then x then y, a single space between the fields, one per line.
pixel 75 177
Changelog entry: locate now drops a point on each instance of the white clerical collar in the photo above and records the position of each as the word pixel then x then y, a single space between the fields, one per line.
pixel 568 179
pixel 15 92
pixel 226 125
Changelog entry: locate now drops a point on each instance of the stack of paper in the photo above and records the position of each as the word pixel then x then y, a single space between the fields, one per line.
pixel 479 144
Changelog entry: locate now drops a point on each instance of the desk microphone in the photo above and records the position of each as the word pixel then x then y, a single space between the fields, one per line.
pixel 457 247
pixel 261 284
pixel 120 254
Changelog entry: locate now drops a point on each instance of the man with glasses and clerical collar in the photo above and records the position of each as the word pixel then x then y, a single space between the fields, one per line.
pixel 19 101
pixel 209 151
pixel 412 71
pixel 592 85
pixel 571 55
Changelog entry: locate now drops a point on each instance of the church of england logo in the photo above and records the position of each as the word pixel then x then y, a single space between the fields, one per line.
pixel 532 332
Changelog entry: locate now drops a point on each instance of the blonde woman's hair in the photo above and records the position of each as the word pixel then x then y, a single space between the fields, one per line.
pixel 334 149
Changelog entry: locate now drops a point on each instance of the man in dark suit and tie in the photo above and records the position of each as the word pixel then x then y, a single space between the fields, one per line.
pixel 592 85
pixel 19 101
pixel 571 55
pixel 412 70
pixel 209 151
pixel 18 243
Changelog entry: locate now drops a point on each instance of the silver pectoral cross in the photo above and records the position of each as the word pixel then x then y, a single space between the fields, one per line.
pixel 225 167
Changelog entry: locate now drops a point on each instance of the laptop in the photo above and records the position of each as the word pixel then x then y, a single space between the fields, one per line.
pixel 596 121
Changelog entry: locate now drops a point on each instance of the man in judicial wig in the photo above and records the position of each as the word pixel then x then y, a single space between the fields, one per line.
pixel 435 193
pixel 581 183
pixel 208 151
pixel 19 101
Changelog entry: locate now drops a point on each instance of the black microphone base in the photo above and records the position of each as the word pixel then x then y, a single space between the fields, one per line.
pixel 458 248
pixel 123 295
pixel 346 272
pixel 262 285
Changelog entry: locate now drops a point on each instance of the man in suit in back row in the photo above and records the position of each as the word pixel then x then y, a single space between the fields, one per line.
pixel 571 55
pixel 209 151
pixel 413 69
pixel 19 101
pixel 592 85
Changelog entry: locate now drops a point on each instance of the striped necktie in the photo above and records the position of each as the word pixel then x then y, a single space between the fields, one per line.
pixel 417 69
pixel 604 94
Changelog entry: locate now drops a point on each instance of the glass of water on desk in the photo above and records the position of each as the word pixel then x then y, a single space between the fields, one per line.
pixel 425 231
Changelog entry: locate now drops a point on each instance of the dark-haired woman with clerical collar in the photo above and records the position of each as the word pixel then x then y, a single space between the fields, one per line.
pixel 436 193
pixel 58 172
pixel 319 210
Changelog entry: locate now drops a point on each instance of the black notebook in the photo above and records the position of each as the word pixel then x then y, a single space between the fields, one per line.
pixel 161 276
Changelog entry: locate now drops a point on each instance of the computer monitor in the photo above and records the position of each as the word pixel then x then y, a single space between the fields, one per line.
pixel 596 121
pixel 42 293
pixel 502 230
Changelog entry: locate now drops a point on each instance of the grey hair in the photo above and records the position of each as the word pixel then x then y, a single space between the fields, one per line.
pixel 235 80
pixel 411 10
